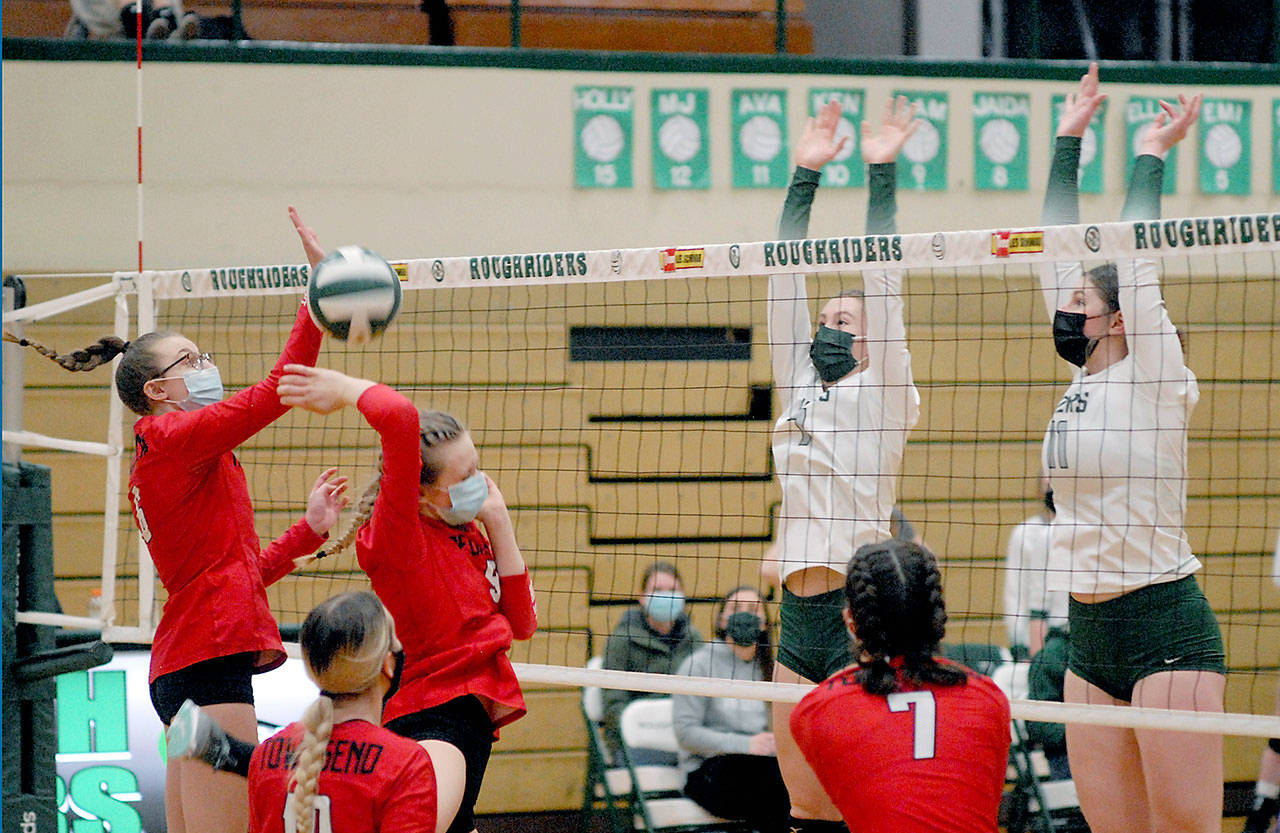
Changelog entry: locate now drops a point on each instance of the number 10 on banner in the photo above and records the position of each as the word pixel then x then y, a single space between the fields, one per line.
pixel 602 119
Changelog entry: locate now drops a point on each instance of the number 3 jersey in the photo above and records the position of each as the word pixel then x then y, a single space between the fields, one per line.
pixel 1116 451
pixel 455 616
pixel 372 781
pixel 931 758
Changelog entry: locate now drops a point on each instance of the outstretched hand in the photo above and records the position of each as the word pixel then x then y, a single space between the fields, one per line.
pixel 817 144
pixel 310 241
pixel 883 144
pixel 1079 107
pixel 326 501
pixel 1170 126
pixel 319 389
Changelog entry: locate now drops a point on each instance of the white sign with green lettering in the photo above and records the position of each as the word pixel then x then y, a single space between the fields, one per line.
pixel 923 161
pixel 846 170
pixel 1224 146
pixel 602 119
pixel 1091 145
pixel 1138 114
pixel 1001 124
pixel 759 122
pixel 681 146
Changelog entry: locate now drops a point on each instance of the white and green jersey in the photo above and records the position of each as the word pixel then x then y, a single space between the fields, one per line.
pixel 1116 449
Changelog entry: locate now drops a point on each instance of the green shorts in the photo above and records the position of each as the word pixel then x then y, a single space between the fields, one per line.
pixel 1161 627
pixel 814 641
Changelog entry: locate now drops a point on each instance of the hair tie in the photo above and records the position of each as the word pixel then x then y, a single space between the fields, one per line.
pixel 126 346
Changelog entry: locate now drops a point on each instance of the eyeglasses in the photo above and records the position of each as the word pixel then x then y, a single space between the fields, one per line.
pixel 198 362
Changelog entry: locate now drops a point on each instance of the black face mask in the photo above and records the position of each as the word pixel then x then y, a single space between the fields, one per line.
pixel 743 628
pixel 1048 501
pixel 831 354
pixel 1068 336
pixel 395 675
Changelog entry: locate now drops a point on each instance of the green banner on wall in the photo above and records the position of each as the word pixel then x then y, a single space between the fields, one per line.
pixel 760 155
pixel 1275 145
pixel 681 146
pixel 602 120
pixel 1091 145
pixel 923 161
pixel 1140 112
pixel 1001 131
pixel 1224 146
pixel 846 170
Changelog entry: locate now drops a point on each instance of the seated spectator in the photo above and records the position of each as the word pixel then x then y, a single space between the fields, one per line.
pixel 161 20
pixel 1045 681
pixel 655 636
pixel 726 748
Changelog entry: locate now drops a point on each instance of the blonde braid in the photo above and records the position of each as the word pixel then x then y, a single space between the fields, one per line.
pixel 364 511
pixel 318 722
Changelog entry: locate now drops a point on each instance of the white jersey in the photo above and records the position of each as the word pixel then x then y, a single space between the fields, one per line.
pixel 838 451
pixel 1026 592
pixel 1116 449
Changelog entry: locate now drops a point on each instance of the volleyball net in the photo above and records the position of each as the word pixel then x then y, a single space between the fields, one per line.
pixel 623 401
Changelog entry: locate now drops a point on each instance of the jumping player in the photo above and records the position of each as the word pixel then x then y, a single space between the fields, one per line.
pixel 338 769
pixel 904 741
pixel 459 594
pixel 849 401
pixel 191 504
pixel 1141 631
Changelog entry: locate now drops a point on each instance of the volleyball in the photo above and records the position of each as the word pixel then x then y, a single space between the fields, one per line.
pixel 924 144
pixel 680 138
pixel 999 140
pixel 354 294
pixel 760 138
pixel 1222 146
pixel 602 138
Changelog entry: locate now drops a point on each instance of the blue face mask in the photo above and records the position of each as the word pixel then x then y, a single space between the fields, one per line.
pixel 204 387
pixel 467 497
pixel 664 605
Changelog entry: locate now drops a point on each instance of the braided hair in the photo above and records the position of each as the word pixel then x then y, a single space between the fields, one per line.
pixel 764 648
pixel 138 365
pixel 435 428
pixel 344 641
pixel 894 592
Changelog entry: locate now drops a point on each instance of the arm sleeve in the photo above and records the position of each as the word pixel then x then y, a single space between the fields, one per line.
pixel 205 433
pixel 689 716
pixel 888 358
pixel 276 560
pixel 794 222
pixel 882 200
pixel 411 806
pixel 1062 196
pixel 1152 338
pixel 518 604
pixel 1142 201
pixel 789 327
pixel 394 523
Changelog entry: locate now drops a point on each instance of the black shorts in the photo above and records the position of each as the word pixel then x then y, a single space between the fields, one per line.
pixel 208 683
pixel 815 642
pixel 464 723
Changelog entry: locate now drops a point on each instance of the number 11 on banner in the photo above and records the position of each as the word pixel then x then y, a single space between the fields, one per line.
pixel 602 118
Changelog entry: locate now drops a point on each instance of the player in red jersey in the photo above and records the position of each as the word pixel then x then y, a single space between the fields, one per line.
pixel 191 504
pixel 903 740
pixel 459 593
pixel 338 769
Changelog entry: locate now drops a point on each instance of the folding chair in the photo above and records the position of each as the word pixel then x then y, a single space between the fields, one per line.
pixel 657 803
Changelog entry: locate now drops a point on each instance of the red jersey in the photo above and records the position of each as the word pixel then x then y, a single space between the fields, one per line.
pixel 373 781
pixel 454 615
pixel 930 758
pixel 191 503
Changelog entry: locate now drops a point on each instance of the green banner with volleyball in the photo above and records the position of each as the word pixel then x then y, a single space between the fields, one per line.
pixel 1138 114
pixel 1001 127
pixel 922 165
pixel 760 155
pixel 1224 146
pixel 1091 145
pixel 681 145
pixel 846 170
pixel 602 122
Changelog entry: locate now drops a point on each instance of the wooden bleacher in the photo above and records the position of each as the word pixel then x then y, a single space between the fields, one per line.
pixel 595 503
pixel 701 26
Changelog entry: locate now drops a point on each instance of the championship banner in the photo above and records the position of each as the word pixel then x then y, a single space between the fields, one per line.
pixel 760 155
pixel 602 120
pixel 847 169
pixel 1225 126
pixel 1140 112
pixel 947 250
pixel 681 145
pixel 1001 130
pixel 922 165
pixel 1091 145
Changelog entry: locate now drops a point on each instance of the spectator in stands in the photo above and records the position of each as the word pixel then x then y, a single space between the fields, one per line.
pixel 439 24
pixel 727 750
pixel 161 20
pixel 655 636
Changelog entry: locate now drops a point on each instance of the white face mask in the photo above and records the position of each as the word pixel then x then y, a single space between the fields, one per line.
pixel 467 497
pixel 204 387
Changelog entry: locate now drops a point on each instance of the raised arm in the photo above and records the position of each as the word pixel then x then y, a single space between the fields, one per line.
pixel 515 599
pixel 1142 202
pixel 880 148
pixel 1149 333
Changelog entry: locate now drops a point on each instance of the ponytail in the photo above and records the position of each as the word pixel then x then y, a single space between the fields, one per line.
pixel 137 365
pixel 317 722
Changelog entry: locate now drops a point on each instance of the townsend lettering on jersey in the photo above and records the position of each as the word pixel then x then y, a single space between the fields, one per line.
pixel 258 277
pixel 557 264
pixel 346 757
pixel 1207 231
pixel 833 250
